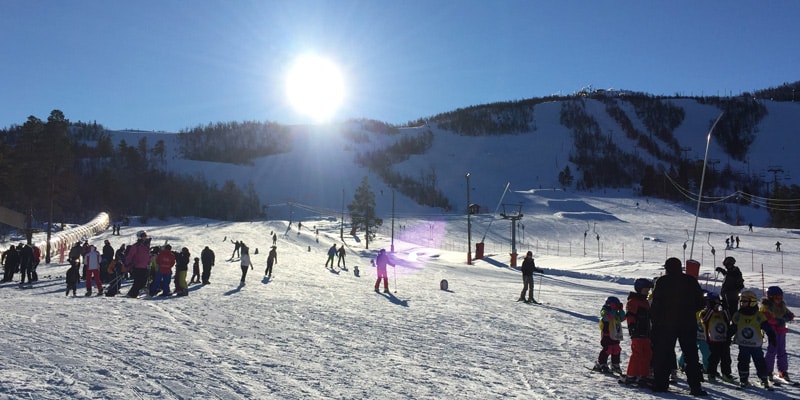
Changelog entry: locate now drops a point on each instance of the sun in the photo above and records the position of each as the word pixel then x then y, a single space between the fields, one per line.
pixel 315 87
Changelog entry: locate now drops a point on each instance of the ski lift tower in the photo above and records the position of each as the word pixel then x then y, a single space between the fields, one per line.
pixel 514 215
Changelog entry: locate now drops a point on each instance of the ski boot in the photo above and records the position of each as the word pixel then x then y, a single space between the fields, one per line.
pixel 712 377
pixel 765 383
pixel 600 367
pixel 615 368
pixel 88 292
pixel 728 378
pixel 743 383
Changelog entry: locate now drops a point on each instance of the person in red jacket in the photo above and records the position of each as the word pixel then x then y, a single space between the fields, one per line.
pixel 165 260
pixel 137 261
pixel 637 314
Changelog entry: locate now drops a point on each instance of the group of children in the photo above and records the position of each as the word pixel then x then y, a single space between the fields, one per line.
pixel 718 327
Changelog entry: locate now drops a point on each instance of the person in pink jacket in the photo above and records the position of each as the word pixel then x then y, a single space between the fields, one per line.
pixel 92 262
pixel 137 261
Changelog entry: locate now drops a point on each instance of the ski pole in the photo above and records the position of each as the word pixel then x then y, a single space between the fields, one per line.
pixel 540 287
pixel 395 278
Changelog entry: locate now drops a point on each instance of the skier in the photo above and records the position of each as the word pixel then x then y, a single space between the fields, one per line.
pixel 272 259
pixel 164 260
pixel 73 276
pixel 380 262
pixel 747 324
pixel 25 264
pixel 677 298
pixel 731 285
pixel 611 316
pixel 778 246
pixel 92 262
pixel 637 315
pixel 195 271
pixel 716 321
pixel 245 262
pixel 207 258
pixel 331 254
pixel 236 246
pixel 340 259
pixel 528 268
pixel 181 268
pixel 10 263
pixel 774 308
pixel 137 261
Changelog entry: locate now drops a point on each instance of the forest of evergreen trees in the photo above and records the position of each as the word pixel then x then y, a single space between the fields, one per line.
pixel 51 165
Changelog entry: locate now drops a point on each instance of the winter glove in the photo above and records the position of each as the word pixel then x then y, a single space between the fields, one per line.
pixel 720 270
pixel 251 267
pixel 781 322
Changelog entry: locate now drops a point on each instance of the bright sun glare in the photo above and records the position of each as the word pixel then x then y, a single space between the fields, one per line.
pixel 315 87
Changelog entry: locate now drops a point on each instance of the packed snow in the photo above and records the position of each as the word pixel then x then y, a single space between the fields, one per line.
pixel 314 333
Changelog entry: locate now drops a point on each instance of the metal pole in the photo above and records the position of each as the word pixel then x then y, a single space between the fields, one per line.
pixel 702 180
pixel 469 227
pixel 392 247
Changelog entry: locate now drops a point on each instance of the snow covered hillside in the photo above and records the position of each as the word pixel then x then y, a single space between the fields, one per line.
pixel 313 333
pixel 320 169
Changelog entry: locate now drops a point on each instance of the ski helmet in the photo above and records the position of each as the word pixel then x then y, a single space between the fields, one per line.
pixel 728 261
pixel 774 291
pixel 613 302
pixel 712 299
pixel 141 235
pixel 748 299
pixel 642 283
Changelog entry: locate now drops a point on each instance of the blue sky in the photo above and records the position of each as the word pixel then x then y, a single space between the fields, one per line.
pixel 169 65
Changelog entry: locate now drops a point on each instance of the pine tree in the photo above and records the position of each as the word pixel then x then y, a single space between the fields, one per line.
pixel 362 211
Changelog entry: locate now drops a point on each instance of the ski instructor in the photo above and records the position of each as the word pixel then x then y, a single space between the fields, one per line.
pixel 677 298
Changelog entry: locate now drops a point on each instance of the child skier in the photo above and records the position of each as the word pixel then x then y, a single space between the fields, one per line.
pixel 611 315
pixel 774 308
pixel 637 315
pixel 716 322
pixel 73 276
pixel 748 323
pixel 195 271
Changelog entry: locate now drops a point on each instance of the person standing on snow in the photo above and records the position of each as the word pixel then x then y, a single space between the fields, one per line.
pixel 245 261
pixel 677 298
pixel 164 260
pixel 731 285
pixel 181 269
pixel 207 259
pixel 528 268
pixel 272 259
pixel 331 254
pixel 137 261
pixel 92 262
pixel 380 262
pixel 637 315
pixel 340 260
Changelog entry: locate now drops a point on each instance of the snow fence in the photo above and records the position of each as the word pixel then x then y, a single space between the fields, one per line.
pixel 61 242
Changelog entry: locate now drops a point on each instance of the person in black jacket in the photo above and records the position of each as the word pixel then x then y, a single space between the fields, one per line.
pixel 182 260
pixel 637 314
pixel 10 263
pixel 207 259
pixel 731 285
pixel 677 298
pixel 528 268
